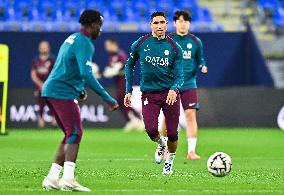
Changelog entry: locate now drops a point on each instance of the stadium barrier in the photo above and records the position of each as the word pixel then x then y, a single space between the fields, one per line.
pixel 220 107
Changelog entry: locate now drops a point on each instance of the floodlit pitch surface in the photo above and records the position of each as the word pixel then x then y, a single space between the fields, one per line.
pixel 113 162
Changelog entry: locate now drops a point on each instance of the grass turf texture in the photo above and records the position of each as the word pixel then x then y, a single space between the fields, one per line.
pixel 113 162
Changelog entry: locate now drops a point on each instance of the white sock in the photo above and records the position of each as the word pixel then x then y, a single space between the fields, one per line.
pixel 170 158
pixel 191 144
pixel 54 171
pixel 165 138
pixel 162 141
pixel 69 169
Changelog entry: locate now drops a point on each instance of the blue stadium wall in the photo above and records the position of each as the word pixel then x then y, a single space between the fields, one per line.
pixel 235 93
pixel 234 59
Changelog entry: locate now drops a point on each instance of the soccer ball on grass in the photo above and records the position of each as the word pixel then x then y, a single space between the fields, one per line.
pixel 219 164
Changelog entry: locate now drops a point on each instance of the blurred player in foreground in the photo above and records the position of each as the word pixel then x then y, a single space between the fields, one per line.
pixel 115 69
pixel 193 60
pixel 62 90
pixel 41 68
pixel 161 66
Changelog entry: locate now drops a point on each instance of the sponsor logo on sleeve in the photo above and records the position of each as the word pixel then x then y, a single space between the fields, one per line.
pixel 70 39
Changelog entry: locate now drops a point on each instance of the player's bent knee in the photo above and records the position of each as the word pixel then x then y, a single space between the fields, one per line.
pixel 74 137
pixel 64 140
pixel 79 137
pixel 190 114
pixel 173 137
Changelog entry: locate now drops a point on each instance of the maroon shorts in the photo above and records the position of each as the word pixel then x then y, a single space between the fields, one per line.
pixel 152 103
pixel 189 99
pixel 67 115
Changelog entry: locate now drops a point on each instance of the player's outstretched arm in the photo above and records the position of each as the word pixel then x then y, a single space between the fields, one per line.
pixel 84 57
pixel 94 84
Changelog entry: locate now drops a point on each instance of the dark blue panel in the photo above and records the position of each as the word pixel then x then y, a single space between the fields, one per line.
pixel 234 59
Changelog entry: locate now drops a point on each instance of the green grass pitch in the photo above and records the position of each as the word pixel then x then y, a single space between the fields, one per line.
pixel 113 162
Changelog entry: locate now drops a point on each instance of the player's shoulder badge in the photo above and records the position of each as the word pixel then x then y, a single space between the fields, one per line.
pixel 166 52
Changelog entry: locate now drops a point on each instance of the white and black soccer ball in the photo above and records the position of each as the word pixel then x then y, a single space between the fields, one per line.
pixel 219 164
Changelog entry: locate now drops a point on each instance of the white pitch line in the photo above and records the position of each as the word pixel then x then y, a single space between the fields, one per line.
pixel 88 160
pixel 162 190
pixel 114 159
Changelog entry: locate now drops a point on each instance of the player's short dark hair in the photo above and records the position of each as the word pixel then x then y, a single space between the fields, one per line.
pixel 186 15
pixel 155 14
pixel 112 40
pixel 90 16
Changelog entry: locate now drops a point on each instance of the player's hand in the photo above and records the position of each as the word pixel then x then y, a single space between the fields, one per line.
pixel 127 100
pixel 114 107
pixel 171 98
pixel 204 69
pixel 83 96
